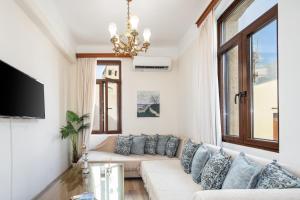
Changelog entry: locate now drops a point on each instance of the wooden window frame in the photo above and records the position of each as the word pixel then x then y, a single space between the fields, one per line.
pixel 100 82
pixel 241 39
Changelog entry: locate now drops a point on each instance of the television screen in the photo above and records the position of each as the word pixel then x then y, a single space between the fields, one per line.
pixel 21 95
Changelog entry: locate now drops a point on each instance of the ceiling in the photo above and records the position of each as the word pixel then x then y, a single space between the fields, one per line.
pixel 88 20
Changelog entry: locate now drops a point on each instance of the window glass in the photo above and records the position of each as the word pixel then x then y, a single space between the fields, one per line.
pixel 112 71
pixel 264 82
pixel 96 122
pixel 246 13
pixel 112 106
pixel 231 68
pixel 100 71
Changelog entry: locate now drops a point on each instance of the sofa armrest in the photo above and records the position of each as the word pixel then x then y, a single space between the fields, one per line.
pixel 248 194
pixel 107 145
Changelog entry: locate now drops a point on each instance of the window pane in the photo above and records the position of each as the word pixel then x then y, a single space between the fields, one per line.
pixel 100 71
pixel 231 77
pixel 112 72
pixel 112 106
pixel 264 83
pixel 96 123
pixel 246 13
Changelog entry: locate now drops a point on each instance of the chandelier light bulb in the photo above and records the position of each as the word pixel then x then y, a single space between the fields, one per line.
pixel 147 35
pixel 112 29
pixel 134 22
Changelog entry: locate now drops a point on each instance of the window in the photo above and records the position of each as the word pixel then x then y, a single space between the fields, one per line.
pixel 248 74
pixel 107 115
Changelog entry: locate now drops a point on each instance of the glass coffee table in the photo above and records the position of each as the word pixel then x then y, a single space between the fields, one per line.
pixel 104 180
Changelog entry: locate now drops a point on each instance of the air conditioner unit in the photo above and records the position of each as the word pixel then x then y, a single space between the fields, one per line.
pixel 143 63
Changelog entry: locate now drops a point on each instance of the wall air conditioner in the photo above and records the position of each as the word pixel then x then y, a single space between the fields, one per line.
pixel 151 64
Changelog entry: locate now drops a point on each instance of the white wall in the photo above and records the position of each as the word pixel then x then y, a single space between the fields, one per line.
pixel 289 98
pixel 186 62
pixel 38 155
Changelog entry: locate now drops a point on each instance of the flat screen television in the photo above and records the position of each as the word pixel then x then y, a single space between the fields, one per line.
pixel 20 95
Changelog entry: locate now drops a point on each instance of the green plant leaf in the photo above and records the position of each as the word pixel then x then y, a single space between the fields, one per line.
pixel 72 117
pixel 84 126
pixel 85 116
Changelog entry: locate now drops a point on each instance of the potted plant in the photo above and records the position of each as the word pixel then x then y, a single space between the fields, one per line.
pixel 75 126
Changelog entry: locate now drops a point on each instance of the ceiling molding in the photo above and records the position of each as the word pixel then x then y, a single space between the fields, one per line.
pixel 49 28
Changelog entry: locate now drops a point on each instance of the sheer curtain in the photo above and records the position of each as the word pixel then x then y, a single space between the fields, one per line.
pixel 85 90
pixel 206 95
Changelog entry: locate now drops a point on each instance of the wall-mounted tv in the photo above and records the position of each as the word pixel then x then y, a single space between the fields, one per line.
pixel 20 95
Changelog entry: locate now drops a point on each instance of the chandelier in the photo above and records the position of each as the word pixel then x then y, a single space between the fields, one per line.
pixel 128 43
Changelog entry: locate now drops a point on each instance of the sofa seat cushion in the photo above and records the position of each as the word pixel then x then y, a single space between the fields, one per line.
pixel 131 162
pixel 165 180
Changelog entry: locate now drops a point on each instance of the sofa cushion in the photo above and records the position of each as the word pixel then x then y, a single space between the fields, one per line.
pixel 138 144
pixel 165 180
pixel 273 176
pixel 215 171
pixel 150 144
pixel 188 152
pixel 123 145
pixel 161 144
pixel 243 174
pixel 172 146
pixel 201 156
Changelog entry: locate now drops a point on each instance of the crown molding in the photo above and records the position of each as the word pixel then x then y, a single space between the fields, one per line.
pixel 53 33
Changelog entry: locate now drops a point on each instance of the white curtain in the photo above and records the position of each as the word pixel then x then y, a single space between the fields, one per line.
pixel 86 90
pixel 206 95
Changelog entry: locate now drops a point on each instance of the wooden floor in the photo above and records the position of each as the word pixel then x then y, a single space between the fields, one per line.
pixel 134 188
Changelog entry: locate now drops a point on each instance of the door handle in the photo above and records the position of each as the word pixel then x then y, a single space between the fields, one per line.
pixel 235 97
pixel 239 95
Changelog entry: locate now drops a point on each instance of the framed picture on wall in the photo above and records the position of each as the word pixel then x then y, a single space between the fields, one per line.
pixel 148 104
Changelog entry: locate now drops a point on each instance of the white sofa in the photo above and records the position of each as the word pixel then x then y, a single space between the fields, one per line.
pixel 165 179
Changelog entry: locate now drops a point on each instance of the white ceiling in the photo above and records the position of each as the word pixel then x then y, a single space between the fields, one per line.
pixel 88 20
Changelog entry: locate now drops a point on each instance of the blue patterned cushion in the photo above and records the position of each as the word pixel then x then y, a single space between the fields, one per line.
pixel 201 156
pixel 172 146
pixel 123 145
pixel 215 171
pixel 188 152
pixel 243 174
pixel 150 144
pixel 274 177
pixel 161 144
pixel 138 145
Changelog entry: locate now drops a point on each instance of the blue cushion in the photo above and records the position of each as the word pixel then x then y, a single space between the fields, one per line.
pixel 200 158
pixel 243 174
pixel 151 144
pixel 123 145
pixel 273 176
pixel 161 144
pixel 215 171
pixel 172 146
pixel 138 145
pixel 188 152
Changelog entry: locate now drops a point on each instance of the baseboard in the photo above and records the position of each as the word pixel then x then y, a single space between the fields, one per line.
pixel 50 184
